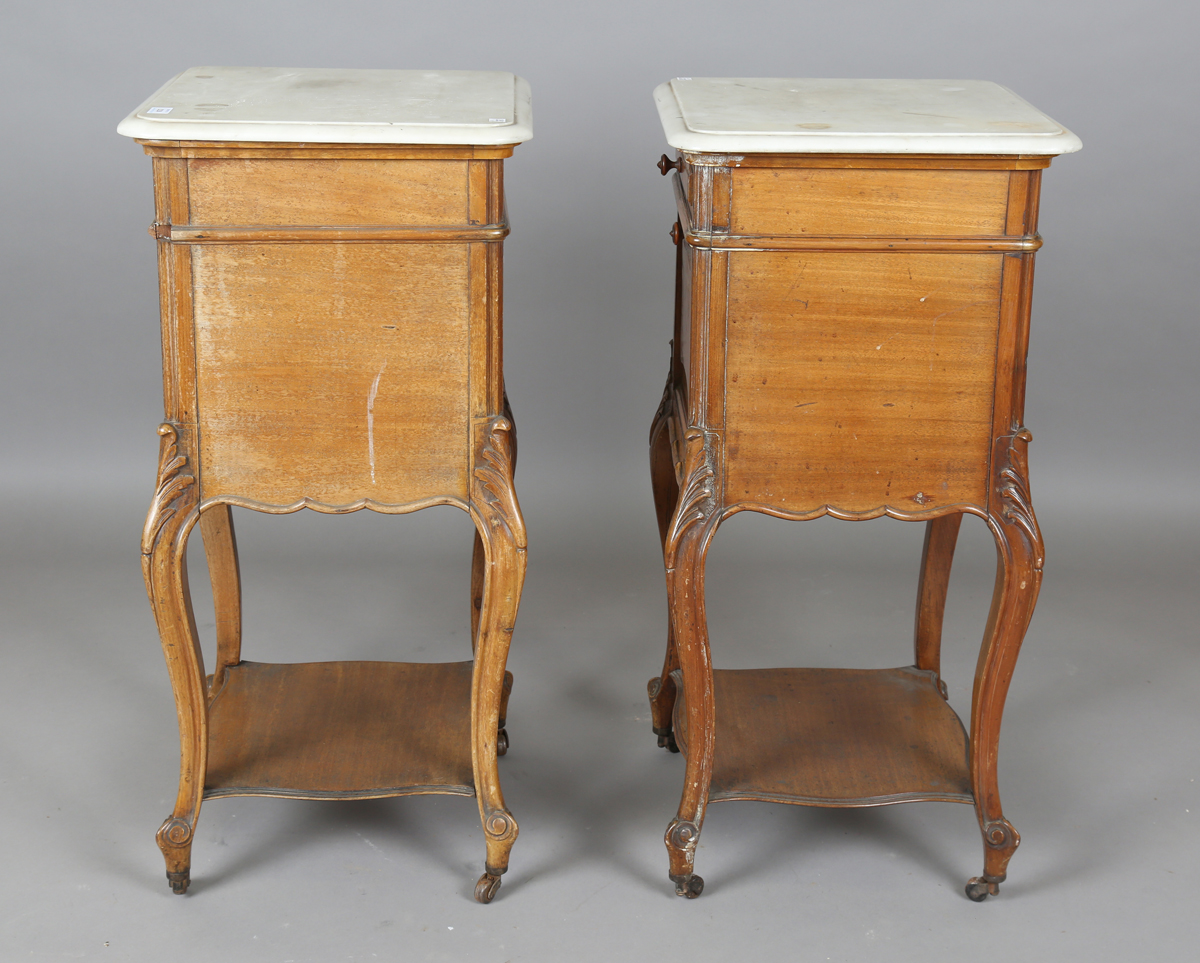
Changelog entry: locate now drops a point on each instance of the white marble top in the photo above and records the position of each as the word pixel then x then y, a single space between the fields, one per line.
pixel 755 115
pixel 319 105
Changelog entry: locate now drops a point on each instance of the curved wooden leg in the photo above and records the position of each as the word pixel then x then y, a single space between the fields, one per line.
pixel 478 568
pixel 1019 551
pixel 172 514
pixel 220 550
pixel 661 689
pixel 941 534
pixel 502 534
pixel 691 529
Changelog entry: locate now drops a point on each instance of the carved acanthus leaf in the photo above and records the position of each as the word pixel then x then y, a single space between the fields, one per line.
pixel 172 483
pixel 494 471
pixel 1014 492
pixel 698 498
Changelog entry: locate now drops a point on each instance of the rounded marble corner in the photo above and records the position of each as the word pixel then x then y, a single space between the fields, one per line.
pixel 152 119
pixel 1052 142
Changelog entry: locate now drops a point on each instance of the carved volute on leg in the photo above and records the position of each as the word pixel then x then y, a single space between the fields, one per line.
pixel 173 512
pixel 690 531
pixel 1020 553
pixel 502 533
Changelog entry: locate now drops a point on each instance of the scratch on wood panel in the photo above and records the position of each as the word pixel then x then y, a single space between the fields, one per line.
pixel 371 420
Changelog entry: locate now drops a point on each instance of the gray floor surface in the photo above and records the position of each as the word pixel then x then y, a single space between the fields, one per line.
pixel 1098 765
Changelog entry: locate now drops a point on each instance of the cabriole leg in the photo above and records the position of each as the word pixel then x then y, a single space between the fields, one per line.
pixel 1019 551
pixel 172 514
pixel 691 529
pixel 502 532
pixel 661 688
pixel 941 535
pixel 220 550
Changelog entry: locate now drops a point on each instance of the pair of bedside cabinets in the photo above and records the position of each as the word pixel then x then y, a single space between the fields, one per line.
pixel 854 267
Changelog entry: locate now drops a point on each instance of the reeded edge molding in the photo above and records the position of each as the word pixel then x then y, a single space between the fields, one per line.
pixel 384 508
pixel 171 484
pixel 383 793
pixel 850 516
pixel 304 234
pixel 983 244
pixel 863 802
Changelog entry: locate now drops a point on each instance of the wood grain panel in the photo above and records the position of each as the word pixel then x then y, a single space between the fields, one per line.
pixel 873 202
pixel 836 737
pixel 341 729
pixel 335 372
pixel 860 380
pixel 328 192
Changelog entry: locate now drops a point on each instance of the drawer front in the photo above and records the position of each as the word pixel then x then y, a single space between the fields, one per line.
pixel 327 192
pixel 336 372
pixel 821 201
pixel 860 380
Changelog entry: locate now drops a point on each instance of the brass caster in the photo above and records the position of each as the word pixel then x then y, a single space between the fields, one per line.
pixel 485 889
pixel 666 740
pixel 979 889
pixel 689 886
pixel 179 881
pixel 501 743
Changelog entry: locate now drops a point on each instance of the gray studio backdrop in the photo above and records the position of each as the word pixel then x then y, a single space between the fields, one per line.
pixel 1100 743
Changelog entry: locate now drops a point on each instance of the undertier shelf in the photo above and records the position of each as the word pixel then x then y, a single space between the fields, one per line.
pixel 341 730
pixel 833 737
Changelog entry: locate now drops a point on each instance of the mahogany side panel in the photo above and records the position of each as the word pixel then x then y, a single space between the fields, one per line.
pixel 860 380
pixel 334 373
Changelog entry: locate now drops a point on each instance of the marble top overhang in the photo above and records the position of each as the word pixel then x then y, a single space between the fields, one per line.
pixel 335 106
pixel 735 115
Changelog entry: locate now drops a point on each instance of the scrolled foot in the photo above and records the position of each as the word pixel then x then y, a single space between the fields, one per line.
pixel 179 882
pixel 979 889
pixel 486 888
pixel 689 886
pixel 501 742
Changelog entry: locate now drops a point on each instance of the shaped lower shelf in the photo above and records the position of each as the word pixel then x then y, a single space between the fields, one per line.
pixel 322 730
pixel 833 737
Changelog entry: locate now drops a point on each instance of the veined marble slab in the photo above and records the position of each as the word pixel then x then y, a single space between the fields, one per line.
pixel 756 115
pixel 334 106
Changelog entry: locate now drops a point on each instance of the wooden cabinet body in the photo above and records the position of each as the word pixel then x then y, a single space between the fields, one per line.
pixel 332 340
pixel 850 340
